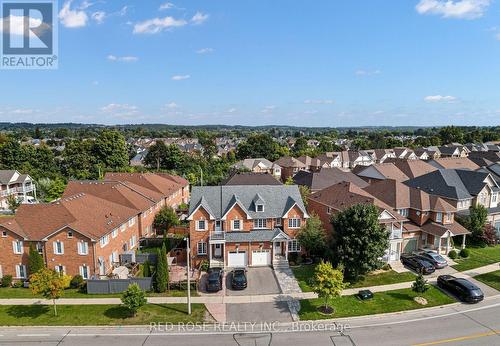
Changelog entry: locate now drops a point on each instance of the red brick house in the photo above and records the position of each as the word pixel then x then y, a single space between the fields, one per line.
pixel 250 225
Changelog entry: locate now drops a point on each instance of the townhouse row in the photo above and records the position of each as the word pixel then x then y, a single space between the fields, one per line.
pixel 90 226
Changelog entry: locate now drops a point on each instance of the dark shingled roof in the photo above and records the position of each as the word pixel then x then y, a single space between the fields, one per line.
pixel 253 236
pixel 250 178
pixel 326 177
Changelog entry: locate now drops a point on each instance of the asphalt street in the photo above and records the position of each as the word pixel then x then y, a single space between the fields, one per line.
pixel 456 324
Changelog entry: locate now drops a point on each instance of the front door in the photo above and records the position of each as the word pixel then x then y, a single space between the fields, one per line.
pixel 218 250
pixel 277 249
pixel 218 227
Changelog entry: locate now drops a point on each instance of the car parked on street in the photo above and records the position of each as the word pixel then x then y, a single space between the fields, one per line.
pixel 436 259
pixel 214 280
pixel 417 264
pixel 239 279
pixel 462 288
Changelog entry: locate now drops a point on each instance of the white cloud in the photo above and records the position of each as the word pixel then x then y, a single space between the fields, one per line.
pixel 459 9
pixel 122 58
pixel 181 77
pixel 22 111
pixel 440 98
pixel 362 72
pixel 268 109
pixel 166 6
pixel 123 110
pixel 205 50
pixel 156 25
pixel 231 110
pixel 199 18
pixel 72 18
pixel 319 102
pixel 16 24
pixel 497 36
pixel 172 105
pixel 99 16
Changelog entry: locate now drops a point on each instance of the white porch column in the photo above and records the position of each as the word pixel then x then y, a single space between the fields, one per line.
pixel 448 244
pixel 286 250
pixel 210 252
pixel 463 241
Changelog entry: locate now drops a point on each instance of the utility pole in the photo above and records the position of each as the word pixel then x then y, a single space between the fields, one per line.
pixel 188 275
pixel 201 175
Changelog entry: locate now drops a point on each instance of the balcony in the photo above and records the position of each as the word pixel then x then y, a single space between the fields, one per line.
pixel 17 190
pixel 395 232
pixel 217 237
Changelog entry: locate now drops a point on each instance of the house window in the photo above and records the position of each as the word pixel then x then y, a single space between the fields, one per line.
pixel 70 234
pixel 114 234
pixel 294 223
pixel 259 223
pixel 494 198
pixel 403 212
pixel 83 248
pixel 278 221
pixel 123 227
pixel 132 242
pixel 293 246
pixel 39 247
pixel 329 210
pixel 236 225
pixel 59 269
pixel 448 217
pixel 17 246
pixel 58 247
pixel 201 225
pixel 84 272
pixel 439 217
pixel 482 198
pixel 131 222
pixel 104 240
pixel 4 234
pixel 260 207
pixel 202 248
pixel 20 271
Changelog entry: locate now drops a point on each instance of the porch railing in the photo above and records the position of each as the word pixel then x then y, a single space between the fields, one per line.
pixel 217 236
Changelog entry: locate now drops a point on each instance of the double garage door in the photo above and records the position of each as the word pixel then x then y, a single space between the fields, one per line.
pixel 240 259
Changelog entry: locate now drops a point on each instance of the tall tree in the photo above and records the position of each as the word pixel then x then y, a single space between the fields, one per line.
pixel 49 284
pixel 110 149
pixel 165 219
pixel 450 134
pixel 328 283
pixel 162 275
pixel 35 261
pixel 164 156
pixel 358 240
pixel 312 237
pixel 475 222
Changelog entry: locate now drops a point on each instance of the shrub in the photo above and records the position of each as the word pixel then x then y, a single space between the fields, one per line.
pixel 420 284
pixel 133 298
pixel 18 284
pixel 77 282
pixel 146 269
pixel 386 266
pixel 7 281
pixel 464 253
pixel 204 266
pixel 452 254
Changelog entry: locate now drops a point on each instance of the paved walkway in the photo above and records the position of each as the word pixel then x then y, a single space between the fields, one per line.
pixel 287 281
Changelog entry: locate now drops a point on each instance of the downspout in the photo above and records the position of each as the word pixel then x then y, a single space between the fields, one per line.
pixel 94 258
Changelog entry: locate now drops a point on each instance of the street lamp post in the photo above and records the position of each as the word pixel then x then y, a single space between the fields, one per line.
pixel 188 276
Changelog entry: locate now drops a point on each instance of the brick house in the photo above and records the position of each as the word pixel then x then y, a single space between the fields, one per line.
pixel 251 225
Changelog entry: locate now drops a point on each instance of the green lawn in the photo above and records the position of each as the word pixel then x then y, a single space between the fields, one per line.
pixel 84 315
pixel 382 302
pixel 74 293
pixel 478 257
pixel 491 279
pixel 304 275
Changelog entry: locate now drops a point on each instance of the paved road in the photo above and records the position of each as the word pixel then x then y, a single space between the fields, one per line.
pixel 458 324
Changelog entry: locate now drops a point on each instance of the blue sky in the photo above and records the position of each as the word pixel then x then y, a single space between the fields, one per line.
pixel 304 63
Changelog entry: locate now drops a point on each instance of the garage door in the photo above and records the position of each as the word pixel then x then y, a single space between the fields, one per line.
pixel 410 245
pixel 237 259
pixel 261 258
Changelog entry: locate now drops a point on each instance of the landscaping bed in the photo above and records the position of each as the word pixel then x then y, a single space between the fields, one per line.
pixel 382 302
pixel 90 315
pixel 478 257
pixel 491 279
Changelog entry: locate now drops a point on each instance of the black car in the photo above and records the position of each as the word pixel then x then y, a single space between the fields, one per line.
pixel 436 259
pixel 214 281
pixel 239 279
pixel 465 290
pixel 418 264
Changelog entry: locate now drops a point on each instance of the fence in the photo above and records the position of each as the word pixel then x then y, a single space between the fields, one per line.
pixel 117 285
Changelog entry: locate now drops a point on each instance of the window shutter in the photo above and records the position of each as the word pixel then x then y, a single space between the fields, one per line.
pixel 54 245
pixel 18 271
pixel 14 247
pixel 62 247
pixel 79 248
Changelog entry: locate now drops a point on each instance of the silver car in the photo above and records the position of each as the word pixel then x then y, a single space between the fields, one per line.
pixel 436 259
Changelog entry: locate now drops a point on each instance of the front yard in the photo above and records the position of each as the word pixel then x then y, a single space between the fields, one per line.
pixel 305 273
pixel 382 302
pixel 85 315
pixel 491 279
pixel 478 257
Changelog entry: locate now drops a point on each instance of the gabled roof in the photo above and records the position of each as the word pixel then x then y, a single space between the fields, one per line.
pixel 412 168
pixel 202 203
pixel 235 201
pixel 440 230
pixel 386 170
pixel 454 163
pixel 220 199
pixel 326 177
pixel 163 183
pixel 252 163
pixel 289 161
pixel 251 178
pixel 12 177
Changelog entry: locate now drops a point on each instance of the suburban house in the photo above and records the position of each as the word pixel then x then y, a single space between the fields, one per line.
pixel 453 151
pixel 404 153
pixel 250 178
pixel 422 154
pixel 80 234
pixel 454 163
pixel 331 159
pixel 13 183
pixel 289 166
pixel 338 197
pixel 259 165
pixel 380 155
pixel 316 181
pixel 432 222
pixel 433 152
pixel 484 158
pixel 313 164
pixel 462 189
pixel 358 158
pixel 250 225
pixel 380 171
pixel 413 168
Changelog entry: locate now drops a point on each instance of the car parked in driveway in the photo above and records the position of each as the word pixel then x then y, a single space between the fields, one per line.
pixel 436 259
pixel 239 279
pixel 417 264
pixel 214 280
pixel 462 288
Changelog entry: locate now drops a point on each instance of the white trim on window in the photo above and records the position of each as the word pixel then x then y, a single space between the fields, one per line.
pixel 201 248
pixel 123 227
pixel 131 222
pixel 259 223
pixel 114 233
pixel 236 225
pixel 60 269
pixel 104 240
pixel 293 246
pixel 17 247
pixel 20 271
pixel 83 248
pixel 84 271
pixel 294 222
pixel 201 225
pixel 58 247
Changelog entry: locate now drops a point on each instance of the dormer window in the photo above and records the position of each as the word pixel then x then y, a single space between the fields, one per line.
pixel 260 207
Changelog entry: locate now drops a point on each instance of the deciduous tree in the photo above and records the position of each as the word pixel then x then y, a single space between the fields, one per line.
pixel 49 284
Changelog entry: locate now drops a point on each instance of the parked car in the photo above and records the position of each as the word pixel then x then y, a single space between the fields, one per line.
pixel 239 279
pixel 214 280
pixel 417 264
pixel 436 259
pixel 462 288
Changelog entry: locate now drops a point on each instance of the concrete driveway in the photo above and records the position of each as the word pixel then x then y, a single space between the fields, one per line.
pixel 258 312
pixel 261 280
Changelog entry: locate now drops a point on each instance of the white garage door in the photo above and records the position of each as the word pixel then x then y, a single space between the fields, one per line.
pixel 237 259
pixel 261 257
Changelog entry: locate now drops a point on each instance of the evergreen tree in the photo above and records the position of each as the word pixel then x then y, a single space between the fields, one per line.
pixel 161 275
pixel 420 284
pixel 35 261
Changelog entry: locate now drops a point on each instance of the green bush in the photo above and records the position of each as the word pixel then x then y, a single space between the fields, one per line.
pixel 7 281
pixel 18 284
pixel 464 253
pixel 420 284
pixel 77 282
pixel 452 254
pixel 386 266
pixel 204 266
